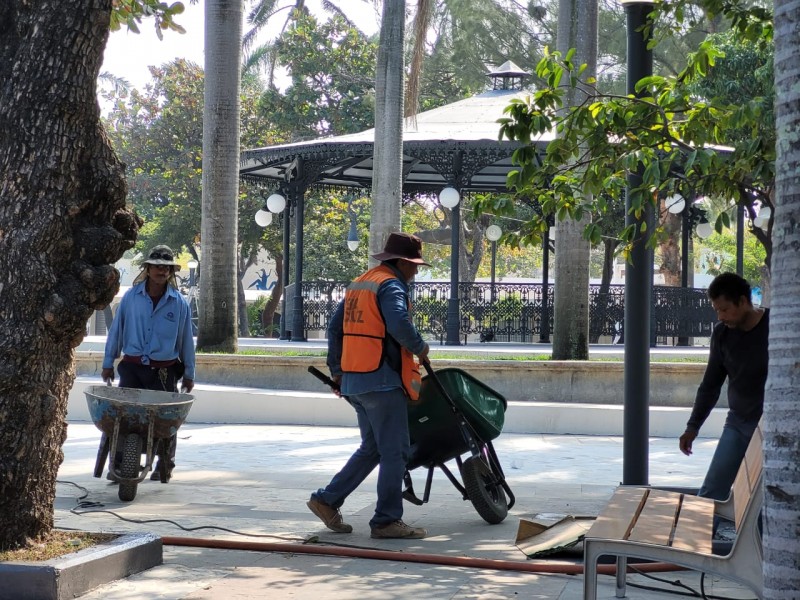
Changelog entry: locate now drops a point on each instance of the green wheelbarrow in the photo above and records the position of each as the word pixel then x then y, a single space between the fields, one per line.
pixel 455 415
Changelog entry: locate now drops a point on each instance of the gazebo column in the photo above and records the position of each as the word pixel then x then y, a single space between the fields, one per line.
pixel 297 192
pixel 287 237
pixel 453 334
pixel 453 305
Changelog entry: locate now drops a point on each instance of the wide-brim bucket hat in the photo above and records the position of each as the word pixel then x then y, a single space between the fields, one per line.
pixel 161 255
pixel 402 245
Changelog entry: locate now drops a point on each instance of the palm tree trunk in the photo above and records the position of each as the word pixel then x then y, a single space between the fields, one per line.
pixel 387 171
pixel 782 415
pixel 217 326
pixel 577 28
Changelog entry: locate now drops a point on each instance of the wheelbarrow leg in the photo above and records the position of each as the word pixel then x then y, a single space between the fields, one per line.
pixel 102 455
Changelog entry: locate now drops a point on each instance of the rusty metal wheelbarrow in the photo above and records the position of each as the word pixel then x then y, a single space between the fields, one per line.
pixel 134 422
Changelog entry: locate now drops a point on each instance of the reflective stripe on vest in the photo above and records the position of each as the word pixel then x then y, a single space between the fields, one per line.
pixel 363 348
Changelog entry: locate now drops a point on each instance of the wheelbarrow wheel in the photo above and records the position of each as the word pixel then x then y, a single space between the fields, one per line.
pixel 483 490
pixel 130 466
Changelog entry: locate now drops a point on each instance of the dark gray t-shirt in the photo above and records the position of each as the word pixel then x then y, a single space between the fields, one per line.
pixel 741 357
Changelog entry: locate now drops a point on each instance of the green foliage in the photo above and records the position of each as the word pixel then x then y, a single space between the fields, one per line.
pixel 332 67
pixel 667 133
pixel 158 133
pixel 254 310
pixel 130 13
pixel 325 252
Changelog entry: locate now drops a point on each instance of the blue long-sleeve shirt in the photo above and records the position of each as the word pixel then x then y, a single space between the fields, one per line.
pixel 161 334
pixel 400 330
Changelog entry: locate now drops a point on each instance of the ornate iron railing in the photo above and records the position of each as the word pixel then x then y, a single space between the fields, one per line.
pixel 514 311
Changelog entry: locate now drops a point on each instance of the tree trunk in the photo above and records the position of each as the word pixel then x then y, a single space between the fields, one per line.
pixel 670 249
pixel 268 314
pixel 63 223
pixel 577 28
pixel 217 326
pixel 782 415
pixel 387 170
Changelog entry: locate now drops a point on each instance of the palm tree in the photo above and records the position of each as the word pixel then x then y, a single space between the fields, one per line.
pixel 387 171
pixel 263 56
pixel 782 421
pixel 218 281
pixel 577 28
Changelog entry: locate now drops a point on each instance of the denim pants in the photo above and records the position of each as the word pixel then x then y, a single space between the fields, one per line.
pixel 383 421
pixel 728 456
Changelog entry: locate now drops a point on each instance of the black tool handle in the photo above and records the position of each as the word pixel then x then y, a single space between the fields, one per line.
pixel 323 378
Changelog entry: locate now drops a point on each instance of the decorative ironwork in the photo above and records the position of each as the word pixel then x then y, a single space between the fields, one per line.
pixel 516 313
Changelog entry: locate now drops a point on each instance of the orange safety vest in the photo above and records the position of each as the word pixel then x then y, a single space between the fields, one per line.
pixel 363 348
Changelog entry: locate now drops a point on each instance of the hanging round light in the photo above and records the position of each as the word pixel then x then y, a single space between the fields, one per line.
pixel 493 233
pixel 675 204
pixel 352 237
pixel 449 197
pixel 276 203
pixel 263 218
pixel 704 230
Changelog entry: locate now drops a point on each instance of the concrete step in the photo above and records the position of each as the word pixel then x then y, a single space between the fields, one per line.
pixel 239 405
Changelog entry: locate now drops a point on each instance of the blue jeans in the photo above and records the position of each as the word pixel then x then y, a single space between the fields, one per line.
pixel 728 456
pixel 383 421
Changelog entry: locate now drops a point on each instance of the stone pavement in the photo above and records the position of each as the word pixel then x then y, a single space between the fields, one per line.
pixel 255 480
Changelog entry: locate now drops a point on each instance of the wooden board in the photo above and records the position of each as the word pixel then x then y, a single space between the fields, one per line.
pixel 657 518
pixel 695 523
pixel 615 521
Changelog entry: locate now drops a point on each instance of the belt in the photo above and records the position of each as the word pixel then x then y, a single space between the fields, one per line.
pixel 155 364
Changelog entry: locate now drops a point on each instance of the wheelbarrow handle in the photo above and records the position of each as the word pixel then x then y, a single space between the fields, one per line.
pixel 323 378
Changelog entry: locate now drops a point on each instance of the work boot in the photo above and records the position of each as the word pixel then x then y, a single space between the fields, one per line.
pixel 398 530
pixel 328 515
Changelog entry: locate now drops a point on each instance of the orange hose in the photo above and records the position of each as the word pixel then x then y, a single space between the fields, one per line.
pixel 436 559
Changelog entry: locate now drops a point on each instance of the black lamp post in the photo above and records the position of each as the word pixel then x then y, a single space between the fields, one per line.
pixel 493 233
pixel 544 333
pixel 638 279
pixel 450 198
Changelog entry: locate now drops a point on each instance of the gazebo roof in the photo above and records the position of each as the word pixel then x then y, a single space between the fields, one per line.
pixel 467 128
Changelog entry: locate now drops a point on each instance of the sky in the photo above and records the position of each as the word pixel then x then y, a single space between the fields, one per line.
pixel 128 55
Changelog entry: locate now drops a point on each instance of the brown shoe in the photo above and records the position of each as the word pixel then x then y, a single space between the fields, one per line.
pixel 398 530
pixel 329 515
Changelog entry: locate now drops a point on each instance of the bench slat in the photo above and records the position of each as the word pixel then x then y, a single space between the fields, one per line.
pixel 615 520
pixel 747 477
pixel 657 518
pixel 693 531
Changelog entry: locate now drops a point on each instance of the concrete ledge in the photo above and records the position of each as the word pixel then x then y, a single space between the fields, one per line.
pixel 234 405
pixel 76 574
pixel 671 384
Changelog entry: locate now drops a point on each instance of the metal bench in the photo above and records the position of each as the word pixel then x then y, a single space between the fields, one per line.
pixel 677 528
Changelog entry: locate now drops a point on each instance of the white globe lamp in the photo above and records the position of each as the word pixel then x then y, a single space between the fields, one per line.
pixel 493 233
pixel 276 203
pixel 675 204
pixel 449 197
pixel 704 230
pixel 263 218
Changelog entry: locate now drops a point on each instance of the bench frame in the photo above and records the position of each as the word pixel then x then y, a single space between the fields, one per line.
pixel 744 562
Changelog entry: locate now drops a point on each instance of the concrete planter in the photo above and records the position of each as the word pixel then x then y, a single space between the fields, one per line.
pixel 75 574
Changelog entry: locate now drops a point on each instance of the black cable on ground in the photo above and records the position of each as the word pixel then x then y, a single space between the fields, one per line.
pixel 314 540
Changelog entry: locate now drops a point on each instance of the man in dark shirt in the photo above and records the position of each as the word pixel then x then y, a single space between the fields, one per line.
pixel 739 353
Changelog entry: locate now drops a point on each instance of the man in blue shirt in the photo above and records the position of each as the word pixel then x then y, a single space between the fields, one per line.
pixel 153 330
pixel 371 346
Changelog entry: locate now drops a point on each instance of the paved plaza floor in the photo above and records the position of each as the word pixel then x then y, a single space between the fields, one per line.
pixel 255 481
